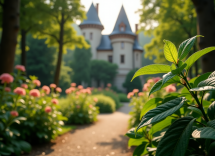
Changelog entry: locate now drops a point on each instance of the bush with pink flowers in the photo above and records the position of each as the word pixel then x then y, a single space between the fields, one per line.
pixel 27 115
pixel 79 106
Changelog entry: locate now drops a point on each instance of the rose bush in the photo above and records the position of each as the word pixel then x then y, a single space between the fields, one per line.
pixel 79 106
pixel 27 115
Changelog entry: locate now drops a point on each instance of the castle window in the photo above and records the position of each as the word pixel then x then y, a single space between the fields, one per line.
pixel 122 58
pixel 122 45
pixel 110 58
pixel 122 29
pixel 137 56
pixel 91 36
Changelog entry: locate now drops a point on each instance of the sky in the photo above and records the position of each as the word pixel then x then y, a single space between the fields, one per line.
pixel 109 10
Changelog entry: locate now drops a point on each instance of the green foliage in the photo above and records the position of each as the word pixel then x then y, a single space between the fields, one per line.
pixel 167 124
pixel 81 65
pixel 103 71
pixel 123 97
pixel 109 93
pixel 167 19
pixel 79 108
pixel 135 84
pixel 105 104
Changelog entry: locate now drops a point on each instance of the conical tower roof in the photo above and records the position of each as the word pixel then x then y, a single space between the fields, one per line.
pixel 92 17
pixel 122 19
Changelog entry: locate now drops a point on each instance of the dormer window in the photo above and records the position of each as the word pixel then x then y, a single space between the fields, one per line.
pixel 122 27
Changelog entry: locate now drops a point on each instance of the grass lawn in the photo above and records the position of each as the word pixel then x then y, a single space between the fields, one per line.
pixel 66 129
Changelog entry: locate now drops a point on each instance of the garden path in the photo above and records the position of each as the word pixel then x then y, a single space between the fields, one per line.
pixel 104 138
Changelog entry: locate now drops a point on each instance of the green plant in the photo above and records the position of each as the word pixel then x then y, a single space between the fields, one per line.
pixel 79 106
pixel 123 97
pixel 180 123
pixel 105 104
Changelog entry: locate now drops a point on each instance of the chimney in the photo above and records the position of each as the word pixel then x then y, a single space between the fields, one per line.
pixel 97 8
pixel 136 28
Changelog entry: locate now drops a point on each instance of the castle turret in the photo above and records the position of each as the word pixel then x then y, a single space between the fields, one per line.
pixel 122 39
pixel 92 28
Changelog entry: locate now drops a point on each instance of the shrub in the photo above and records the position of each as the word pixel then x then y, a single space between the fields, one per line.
pixel 79 107
pixel 178 123
pixel 26 114
pixel 123 97
pixel 105 104
pixel 107 92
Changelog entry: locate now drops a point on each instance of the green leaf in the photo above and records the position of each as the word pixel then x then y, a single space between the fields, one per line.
pixel 161 125
pixel 159 85
pixel 152 69
pixel 167 77
pixel 131 134
pixel 211 123
pixel 201 78
pixel 204 132
pixel 197 55
pixel 141 150
pixel 25 146
pixel 208 84
pixel 176 138
pixel 152 103
pixel 170 51
pixel 211 111
pixel 211 149
pixel 185 47
pixel 136 142
pixel 179 70
pixel 161 112
pixel 212 75
pixel 194 109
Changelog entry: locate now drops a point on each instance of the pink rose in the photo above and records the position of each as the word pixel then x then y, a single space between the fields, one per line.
pixel 73 84
pixel 135 90
pixel 109 85
pixel 146 87
pixel 95 100
pixel 53 85
pixel 46 89
pixel 6 78
pixel 91 106
pixel 80 87
pixel 24 86
pixel 170 88
pixel 48 109
pixel 140 94
pixel 20 67
pixel 55 101
pixel 156 79
pixel 58 89
pixel 19 91
pixel 37 82
pixel 7 89
pixel 35 93
pixel 14 113
pixel 130 95
pixel 150 81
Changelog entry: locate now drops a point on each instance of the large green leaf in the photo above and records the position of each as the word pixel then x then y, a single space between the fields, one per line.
pixel 212 75
pixel 161 112
pixel 211 111
pixel 211 123
pixel 197 55
pixel 152 69
pixel 141 150
pixel 136 142
pixel 167 77
pixel 132 134
pixel 170 51
pixel 204 132
pixel 159 85
pixel 194 109
pixel 176 138
pixel 179 70
pixel 201 78
pixel 161 125
pixel 211 149
pixel 185 47
pixel 208 84
pixel 151 104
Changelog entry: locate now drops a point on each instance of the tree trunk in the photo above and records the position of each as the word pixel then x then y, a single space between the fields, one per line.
pixel 23 44
pixel 10 28
pixel 206 27
pixel 59 60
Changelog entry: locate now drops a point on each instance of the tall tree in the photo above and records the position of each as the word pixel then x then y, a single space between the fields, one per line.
pixel 30 19
pixel 166 19
pixel 206 24
pixel 102 71
pixel 58 29
pixel 10 28
pixel 81 65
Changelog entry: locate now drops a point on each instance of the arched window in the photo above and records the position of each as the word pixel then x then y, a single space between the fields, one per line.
pixel 122 58
pixel 122 45
pixel 122 28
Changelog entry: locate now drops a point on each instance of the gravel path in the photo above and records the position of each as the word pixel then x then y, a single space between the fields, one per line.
pixel 104 138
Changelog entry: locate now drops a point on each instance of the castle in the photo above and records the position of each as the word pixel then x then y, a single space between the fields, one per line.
pixel 120 47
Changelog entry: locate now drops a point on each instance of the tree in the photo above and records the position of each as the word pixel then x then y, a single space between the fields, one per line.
pixel 30 19
pixel 10 28
pixel 167 19
pixel 102 71
pixel 206 24
pixel 58 29
pixel 81 65
pixel 135 84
